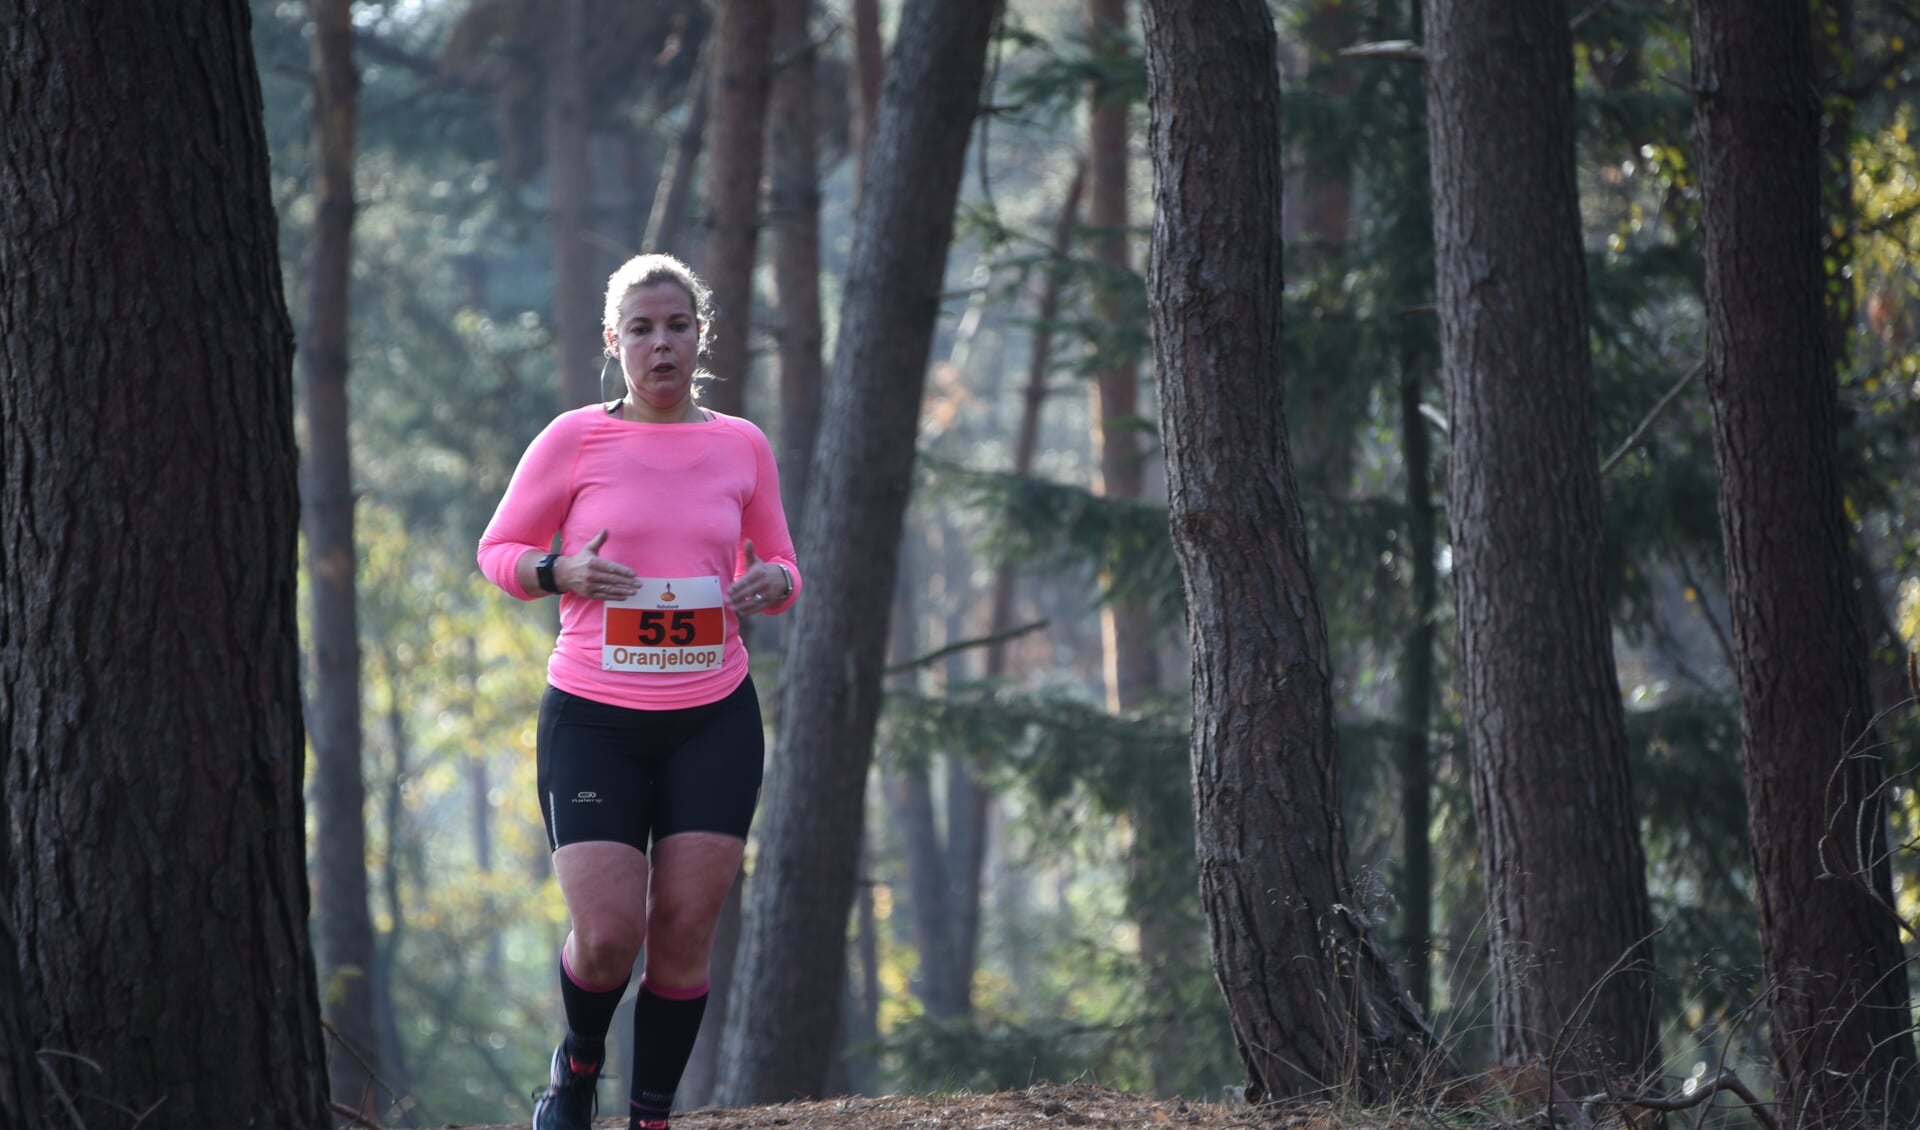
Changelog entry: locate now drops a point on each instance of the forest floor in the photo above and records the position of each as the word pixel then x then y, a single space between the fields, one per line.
pixel 1040 1107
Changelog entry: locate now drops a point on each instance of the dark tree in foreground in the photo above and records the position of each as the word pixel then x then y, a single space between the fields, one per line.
pixel 19 1070
pixel 1568 921
pixel 793 944
pixel 149 698
pixel 1841 1035
pixel 1313 998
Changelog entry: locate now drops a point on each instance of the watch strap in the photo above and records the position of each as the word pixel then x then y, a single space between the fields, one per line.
pixel 543 572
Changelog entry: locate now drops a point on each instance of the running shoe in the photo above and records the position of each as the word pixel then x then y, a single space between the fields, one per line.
pixel 571 1097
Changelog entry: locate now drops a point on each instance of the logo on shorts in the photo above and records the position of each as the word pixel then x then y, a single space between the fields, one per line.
pixel 586 798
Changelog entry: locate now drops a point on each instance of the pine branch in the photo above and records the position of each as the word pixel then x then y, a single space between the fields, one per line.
pixel 1640 432
pixel 937 654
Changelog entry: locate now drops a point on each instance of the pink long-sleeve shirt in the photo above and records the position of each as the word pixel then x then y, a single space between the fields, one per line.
pixel 678 502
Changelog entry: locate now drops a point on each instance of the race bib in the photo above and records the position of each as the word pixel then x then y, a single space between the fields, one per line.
pixel 671 624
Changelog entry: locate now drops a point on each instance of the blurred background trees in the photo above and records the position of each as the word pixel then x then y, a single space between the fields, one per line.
pixel 1025 905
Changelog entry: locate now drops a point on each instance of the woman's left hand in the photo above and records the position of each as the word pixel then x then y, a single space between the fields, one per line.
pixel 758 587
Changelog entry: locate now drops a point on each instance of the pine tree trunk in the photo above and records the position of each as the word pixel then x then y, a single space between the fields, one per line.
pixel 793 210
pixel 730 192
pixel 1841 1041
pixel 343 927
pixel 149 693
pixel 794 939
pixel 20 1098
pixel 576 292
pixel 1312 998
pixel 1569 923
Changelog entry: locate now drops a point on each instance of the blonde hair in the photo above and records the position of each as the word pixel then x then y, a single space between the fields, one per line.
pixel 650 270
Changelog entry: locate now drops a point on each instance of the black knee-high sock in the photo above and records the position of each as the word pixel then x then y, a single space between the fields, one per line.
pixel 589 1013
pixel 665 1022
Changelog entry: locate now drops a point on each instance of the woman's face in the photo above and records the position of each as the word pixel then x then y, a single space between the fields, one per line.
pixel 658 342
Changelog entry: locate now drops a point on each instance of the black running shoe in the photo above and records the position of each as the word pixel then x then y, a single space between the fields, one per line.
pixel 571 1097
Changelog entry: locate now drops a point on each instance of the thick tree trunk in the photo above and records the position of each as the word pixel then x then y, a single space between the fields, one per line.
pixel 149 693
pixel 343 933
pixel 20 1098
pixel 576 292
pixel 794 939
pixel 1568 919
pixel 1312 997
pixel 742 80
pixel 793 210
pixel 1841 1040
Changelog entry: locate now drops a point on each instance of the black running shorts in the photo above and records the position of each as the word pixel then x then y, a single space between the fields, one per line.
pixel 636 776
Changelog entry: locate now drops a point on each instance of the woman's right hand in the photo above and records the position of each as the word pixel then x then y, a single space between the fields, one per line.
pixel 588 574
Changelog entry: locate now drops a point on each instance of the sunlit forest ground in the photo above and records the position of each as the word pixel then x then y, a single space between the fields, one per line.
pixel 1046 1104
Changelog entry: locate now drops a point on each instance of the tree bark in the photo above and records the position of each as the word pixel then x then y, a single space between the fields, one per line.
pixel 793 208
pixel 742 81
pixel 1569 923
pixel 796 928
pixel 343 927
pixel 1312 997
pixel 20 1098
pixel 149 693
pixel 576 292
pixel 1841 1041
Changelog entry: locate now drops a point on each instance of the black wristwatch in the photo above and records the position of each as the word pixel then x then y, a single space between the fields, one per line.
pixel 544 572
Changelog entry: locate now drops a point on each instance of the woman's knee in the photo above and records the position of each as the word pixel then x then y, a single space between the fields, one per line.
pixel 609 941
pixel 681 935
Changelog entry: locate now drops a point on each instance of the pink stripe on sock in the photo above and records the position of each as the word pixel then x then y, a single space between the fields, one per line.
pixel 568 970
pixel 699 990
